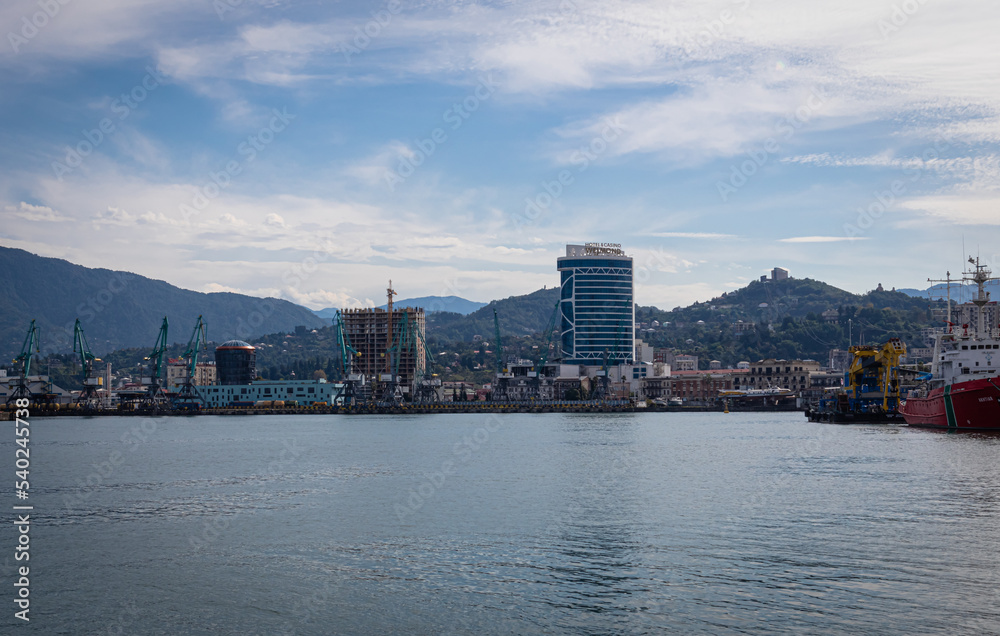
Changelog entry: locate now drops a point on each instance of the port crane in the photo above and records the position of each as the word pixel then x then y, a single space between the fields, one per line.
pixel 603 390
pixel 21 389
pixel 427 387
pixel 502 375
pixel 352 381
pixel 155 394
pixel 873 377
pixel 392 391
pixel 88 395
pixel 536 389
pixel 188 395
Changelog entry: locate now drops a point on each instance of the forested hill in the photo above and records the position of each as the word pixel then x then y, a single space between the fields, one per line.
pixel 772 301
pixel 517 315
pixel 121 309
pixel 792 319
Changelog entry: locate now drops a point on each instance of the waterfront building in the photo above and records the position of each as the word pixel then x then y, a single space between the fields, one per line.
pixel 299 392
pixel 177 373
pixel 785 374
pixel 597 308
pixel 38 385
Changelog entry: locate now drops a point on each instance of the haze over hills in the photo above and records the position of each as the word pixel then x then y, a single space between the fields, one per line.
pixel 959 293
pixel 121 309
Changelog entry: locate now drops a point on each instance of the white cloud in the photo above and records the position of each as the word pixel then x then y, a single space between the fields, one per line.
pixel 274 220
pixel 822 239
pixel 694 235
pixel 962 209
pixel 30 212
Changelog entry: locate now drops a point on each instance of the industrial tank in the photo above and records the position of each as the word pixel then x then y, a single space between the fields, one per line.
pixel 236 362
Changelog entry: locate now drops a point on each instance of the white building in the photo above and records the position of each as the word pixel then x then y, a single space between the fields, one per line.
pixel 302 392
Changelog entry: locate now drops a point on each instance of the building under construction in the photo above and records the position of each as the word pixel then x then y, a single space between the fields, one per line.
pixel 404 355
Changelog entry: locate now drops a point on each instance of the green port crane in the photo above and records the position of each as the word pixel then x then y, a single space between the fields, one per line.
pixel 401 340
pixel 88 395
pixel 21 390
pixel 500 384
pixel 154 393
pixel 347 352
pixel 603 390
pixel 188 396
pixel 427 387
pixel 542 359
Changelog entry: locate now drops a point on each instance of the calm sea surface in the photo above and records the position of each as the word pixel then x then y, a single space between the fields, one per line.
pixel 517 524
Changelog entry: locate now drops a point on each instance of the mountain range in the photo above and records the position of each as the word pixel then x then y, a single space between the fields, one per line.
pixel 120 309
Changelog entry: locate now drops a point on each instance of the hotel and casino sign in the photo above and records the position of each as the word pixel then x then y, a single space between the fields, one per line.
pixel 603 249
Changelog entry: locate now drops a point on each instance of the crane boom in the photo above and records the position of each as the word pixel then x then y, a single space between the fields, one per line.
pixel 88 395
pixel 188 396
pixel 80 346
pixel 499 347
pixel 195 344
pixel 28 350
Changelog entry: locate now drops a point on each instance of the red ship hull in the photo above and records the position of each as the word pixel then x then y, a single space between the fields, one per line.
pixel 973 405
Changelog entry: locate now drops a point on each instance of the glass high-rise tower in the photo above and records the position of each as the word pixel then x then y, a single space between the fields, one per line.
pixel 597 307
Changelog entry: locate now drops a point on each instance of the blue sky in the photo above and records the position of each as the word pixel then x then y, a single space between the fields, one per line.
pixel 312 151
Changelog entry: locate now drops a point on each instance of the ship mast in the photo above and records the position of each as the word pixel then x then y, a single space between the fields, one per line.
pixel 947 281
pixel 980 277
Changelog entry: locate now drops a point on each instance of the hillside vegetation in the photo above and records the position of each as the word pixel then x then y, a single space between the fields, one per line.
pixel 121 309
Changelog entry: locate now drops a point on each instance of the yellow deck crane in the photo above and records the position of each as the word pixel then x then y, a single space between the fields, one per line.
pixel 873 378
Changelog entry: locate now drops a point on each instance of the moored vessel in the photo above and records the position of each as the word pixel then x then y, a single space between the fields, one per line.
pixel 963 391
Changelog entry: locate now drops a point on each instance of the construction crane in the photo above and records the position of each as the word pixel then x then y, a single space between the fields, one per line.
pixel 188 397
pixel 88 395
pixel 542 359
pixel 389 292
pixel 21 389
pixel 154 382
pixel 502 376
pixel 352 381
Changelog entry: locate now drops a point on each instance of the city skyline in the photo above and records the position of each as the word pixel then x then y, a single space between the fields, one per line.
pixel 313 153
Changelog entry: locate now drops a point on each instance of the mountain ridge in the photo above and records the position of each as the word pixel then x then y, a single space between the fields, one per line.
pixel 120 309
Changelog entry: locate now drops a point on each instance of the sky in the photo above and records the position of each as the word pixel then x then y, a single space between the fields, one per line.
pixel 313 151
